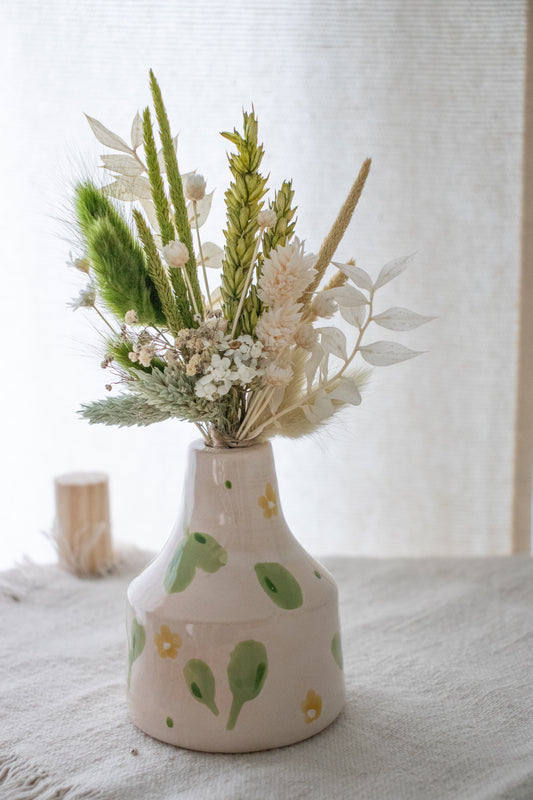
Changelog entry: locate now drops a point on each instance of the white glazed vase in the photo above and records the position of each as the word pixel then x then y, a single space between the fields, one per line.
pixel 233 629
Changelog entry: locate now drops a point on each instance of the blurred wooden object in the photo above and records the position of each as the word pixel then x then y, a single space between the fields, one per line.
pixel 82 530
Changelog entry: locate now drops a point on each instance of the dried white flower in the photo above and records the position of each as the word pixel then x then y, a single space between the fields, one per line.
pixel 131 318
pixel 246 372
pixel 205 387
pixel 85 299
pixel 306 336
pixel 277 376
pixel 285 274
pixel 266 218
pixel 243 345
pixel 146 353
pixel 172 357
pixel 81 264
pixel 210 388
pixel 194 188
pixel 276 326
pixel 237 366
pixel 133 356
pixel 324 306
pixel 220 366
pixel 196 364
pixel 176 254
pixel 216 321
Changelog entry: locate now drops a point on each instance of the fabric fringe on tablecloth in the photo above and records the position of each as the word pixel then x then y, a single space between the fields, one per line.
pixel 22 780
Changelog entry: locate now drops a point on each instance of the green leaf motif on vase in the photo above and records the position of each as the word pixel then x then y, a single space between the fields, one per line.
pixel 136 645
pixel 336 649
pixel 195 551
pixel 247 671
pixel 279 584
pixel 201 682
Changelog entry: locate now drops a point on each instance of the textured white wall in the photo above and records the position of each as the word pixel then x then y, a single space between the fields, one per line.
pixel 434 93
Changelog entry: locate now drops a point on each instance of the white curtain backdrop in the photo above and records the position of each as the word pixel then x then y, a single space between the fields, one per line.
pixel 434 93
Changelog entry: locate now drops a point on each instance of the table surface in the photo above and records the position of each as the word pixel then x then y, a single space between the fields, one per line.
pixel 439 671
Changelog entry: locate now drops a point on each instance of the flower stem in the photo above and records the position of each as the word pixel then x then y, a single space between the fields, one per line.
pixel 255 413
pixel 194 205
pixel 248 281
pixel 190 290
pixel 106 322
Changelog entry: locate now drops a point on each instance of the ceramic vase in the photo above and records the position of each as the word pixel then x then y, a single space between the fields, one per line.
pixel 233 629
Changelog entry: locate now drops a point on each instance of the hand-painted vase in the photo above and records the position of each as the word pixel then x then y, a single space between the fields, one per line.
pixel 233 629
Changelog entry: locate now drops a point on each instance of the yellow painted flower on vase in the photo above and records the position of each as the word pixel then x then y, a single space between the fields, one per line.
pixel 269 502
pixel 312 706
pixel 167 643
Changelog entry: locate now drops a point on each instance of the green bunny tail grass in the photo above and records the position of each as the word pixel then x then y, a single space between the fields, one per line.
pixel 124 411
pixel 91 205
pixel 116 258
pixel 121 274
pixel 159 275
pixel 243 202
pixel 175 187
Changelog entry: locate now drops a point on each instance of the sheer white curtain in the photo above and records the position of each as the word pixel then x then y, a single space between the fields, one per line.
pixel 434 92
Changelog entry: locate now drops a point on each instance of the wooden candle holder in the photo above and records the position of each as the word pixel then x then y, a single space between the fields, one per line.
pixel 82 529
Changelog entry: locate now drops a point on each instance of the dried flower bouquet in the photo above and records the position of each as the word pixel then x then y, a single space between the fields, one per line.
pixel 251 358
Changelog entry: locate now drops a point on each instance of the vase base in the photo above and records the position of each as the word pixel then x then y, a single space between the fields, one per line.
pixel 277 740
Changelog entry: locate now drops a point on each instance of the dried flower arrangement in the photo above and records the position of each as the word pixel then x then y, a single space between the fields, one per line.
pixel 249 359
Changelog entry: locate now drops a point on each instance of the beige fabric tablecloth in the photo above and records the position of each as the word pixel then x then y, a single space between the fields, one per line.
pixel 439 671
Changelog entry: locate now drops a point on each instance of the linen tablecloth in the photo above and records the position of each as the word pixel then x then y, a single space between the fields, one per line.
pixel 438 660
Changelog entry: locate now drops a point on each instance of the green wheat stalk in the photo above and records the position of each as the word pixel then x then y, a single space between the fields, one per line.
pixel 283 230
pixel 125 410
pixel 175 186
pixel 162 210
pixel 243 203
pixel 158 274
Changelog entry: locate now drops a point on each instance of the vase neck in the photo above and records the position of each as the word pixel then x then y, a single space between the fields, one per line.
pixel 231 487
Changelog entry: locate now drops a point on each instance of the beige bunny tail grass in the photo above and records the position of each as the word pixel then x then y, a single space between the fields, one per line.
pixel 333 239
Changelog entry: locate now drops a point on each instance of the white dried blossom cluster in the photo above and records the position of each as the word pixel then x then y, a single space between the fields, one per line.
pixel 142 353
pixel 85 299
pixel 237 362
pixel 285 276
